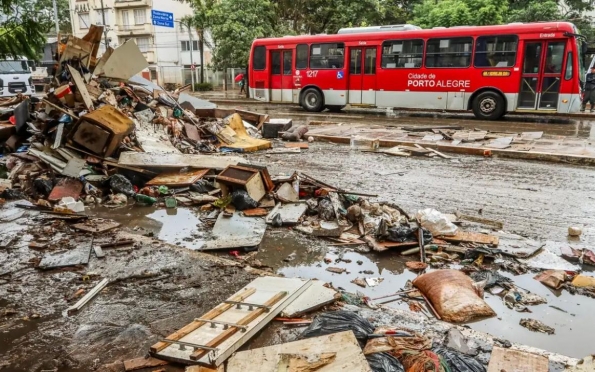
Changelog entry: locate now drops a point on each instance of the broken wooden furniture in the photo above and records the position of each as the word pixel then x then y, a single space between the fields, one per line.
pixel 237 177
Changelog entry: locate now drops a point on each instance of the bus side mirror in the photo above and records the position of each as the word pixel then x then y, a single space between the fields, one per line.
pixel 584 47
pixel 33 68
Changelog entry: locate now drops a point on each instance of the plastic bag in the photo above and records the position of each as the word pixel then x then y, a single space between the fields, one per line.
pixel 453 296
pixel 242 201
pixel 326 210
pixel 402 234
pixel 43 186
pixel 12 194
pixel 121 185
pixel 277 220
pixel 458 362
pixel 384 362
pixel 341 321
pixel 202 186
pixel 437 223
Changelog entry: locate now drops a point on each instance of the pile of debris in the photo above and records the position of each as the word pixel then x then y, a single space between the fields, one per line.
pixel 80 143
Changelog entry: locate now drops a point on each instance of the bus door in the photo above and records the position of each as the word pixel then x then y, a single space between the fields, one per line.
pixel 362 76
pixel 542 74
pixel 281 76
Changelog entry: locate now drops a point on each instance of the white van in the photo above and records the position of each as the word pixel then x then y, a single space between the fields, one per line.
pixel 15 77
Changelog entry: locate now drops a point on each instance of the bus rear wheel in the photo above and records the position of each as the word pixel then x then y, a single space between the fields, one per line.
pixel 312 100
pixel 488 106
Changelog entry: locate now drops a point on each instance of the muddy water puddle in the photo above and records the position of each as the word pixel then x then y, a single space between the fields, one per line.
pixel 295 255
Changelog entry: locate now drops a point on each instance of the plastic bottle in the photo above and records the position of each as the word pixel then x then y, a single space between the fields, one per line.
pixel 145 199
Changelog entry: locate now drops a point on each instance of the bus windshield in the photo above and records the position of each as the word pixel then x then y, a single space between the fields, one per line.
pixel 14 67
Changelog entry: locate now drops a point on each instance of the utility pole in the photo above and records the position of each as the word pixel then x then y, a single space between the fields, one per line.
pixel 191 57
pixel 104 26
pixel 56 18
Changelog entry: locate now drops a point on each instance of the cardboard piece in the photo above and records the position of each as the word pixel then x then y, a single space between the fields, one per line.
pixel 348 355
pixel 178 179
pixel 516 360
pixel 125 62
pixel 82 88
pixel 236 232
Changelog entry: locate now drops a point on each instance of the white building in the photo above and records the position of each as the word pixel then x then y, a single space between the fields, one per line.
pixel 166 49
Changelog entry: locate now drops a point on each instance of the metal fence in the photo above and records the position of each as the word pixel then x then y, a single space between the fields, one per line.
pixel 179 76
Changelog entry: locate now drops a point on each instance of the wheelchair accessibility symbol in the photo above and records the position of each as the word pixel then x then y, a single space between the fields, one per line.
pixel 339 74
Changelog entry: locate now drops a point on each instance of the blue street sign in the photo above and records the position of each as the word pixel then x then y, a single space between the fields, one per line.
pixel 164 19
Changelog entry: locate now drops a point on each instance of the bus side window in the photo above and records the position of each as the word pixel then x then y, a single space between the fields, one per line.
pixel 327 56
pixel 496 51
pixel 402 53
pixel 259 58
pixel 568 74
pixel 449 53
pixel 301 60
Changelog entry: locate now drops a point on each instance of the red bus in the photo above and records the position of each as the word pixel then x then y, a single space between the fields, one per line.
pixel 491 70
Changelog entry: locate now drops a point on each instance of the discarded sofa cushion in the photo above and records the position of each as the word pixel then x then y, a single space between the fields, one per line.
pixel 453 296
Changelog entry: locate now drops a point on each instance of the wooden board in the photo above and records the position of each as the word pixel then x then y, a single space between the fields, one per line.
pixel 266 288
pixel 516 361
pixel 314 298
pixel 399 245
pixel 348 355
pixel 178 179
pixel 82 88
pixel 300 145
pixel 141 363
pixel 145 160
pixel 471 237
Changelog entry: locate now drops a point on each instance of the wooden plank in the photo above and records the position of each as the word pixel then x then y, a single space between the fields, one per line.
pixel 195 325
pixel 398 245
pixel 88 297
pixel 516 360
pixel 256 212
pixel 140 363
pixel 315 297
pixel 440 154
pixel 178 179
pixel 348 355
pixel 98 251
pixel 145 160
pixel 299 145
pixel 82 88
pixel 471 237
pixel 198 354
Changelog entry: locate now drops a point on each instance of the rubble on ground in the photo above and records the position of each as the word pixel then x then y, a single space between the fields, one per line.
pixel 102 136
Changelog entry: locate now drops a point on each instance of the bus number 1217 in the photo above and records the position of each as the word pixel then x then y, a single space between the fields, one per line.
pixel 311 73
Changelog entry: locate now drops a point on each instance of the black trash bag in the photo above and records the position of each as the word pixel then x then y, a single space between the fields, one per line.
pixel 340 321
pixel 43 186
pixel 121 185
pixel 12 194
pixel 242 201
pixel 459 362
pixel 202 186
pixel 277 220
pixel 473 254
pixel 492 278
pixel 384 362
pixel 401 234
pixel 326 211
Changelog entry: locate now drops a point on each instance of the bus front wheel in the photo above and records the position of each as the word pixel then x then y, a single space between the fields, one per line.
pixel 312 100
pixel 488 106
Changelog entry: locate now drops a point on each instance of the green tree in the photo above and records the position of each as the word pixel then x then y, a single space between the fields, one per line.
pixel 234 26
pixel 449 13
pixel 201 22
pixel 326 16
pixel 22 29
pixel 46 9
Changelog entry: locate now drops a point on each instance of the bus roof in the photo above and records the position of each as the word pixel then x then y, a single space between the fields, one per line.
pixel 511 28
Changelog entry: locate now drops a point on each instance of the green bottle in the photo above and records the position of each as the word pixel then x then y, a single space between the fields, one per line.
pixel 145 199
